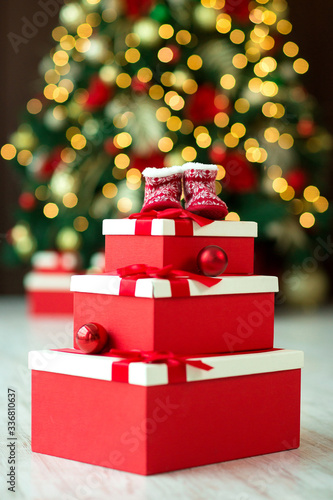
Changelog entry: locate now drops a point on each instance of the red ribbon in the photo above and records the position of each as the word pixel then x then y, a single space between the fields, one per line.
pixel 142 271
pixel 176 364
pixel 172 213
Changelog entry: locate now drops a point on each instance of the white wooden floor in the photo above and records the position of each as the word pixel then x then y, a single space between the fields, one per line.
pixel 303 474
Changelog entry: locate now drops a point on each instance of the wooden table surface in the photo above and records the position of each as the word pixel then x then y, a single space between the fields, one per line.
pixel 302 474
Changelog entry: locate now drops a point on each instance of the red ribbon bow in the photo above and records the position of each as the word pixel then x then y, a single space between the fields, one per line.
pixel 142 271
pixel 168 357
pixel 172 213
pixel 176 364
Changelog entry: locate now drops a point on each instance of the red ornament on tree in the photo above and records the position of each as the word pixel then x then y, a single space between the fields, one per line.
pixel 212 260
pixel 99 93
pixel 297 179
pixel 50 164
pixel 92 338
pixel 201 106
pixel 240 176
pixel 27 201
pixel 154 159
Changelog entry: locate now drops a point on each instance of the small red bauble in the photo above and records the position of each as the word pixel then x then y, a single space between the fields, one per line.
pixel 212 260
pixel 92 338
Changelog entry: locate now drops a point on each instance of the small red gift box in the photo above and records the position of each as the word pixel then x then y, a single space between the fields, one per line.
pixel 159 242
pixel 184 316
pixel 48 293
pixel 149 418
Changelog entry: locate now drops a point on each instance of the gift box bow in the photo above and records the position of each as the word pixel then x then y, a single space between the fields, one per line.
pixel 176 364
pixel 172 213
pixel 136 272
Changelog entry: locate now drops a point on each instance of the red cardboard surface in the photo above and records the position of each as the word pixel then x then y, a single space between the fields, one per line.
pixel 47 302
pixel 180 251
pixel 148 430
pixel 184 325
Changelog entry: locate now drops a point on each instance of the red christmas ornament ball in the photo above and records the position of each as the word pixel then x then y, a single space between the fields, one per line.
pixel 212 260
pixel 92 338
pixel 27 201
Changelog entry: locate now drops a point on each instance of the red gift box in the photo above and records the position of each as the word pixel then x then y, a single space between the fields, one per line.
pixel 48 293
pixel 184 316
pixel 159 418
pixel 159 242
pixel 47 286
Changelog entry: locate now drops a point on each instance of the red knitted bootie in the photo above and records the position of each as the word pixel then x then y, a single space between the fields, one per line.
pixel 199 191
pixel 163 188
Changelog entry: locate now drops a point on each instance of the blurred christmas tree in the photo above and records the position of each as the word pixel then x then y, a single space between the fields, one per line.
pixel 131 84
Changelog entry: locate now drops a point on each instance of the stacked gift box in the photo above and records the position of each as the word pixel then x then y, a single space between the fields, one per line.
pixel 190 375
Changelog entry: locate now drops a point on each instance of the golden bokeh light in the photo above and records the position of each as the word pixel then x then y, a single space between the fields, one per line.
pixel 242 105
pixel 321 205
pixel 286 141
pixel 280 185
pixel 239 61
pixel 132 55
pixel 238 130
pixel 221 119
pixel 132 40
pixel 284 27
pixel 230 140
pixel 288 194
pixel 51 210
pixel 60 58
pixel 183 37
pixel 156 92
pixel 70 200
pixel 227 81
pixel 8 151
pixel 189 153
pixel 34 106
pixel 237 36
pixel 274 171
pixel 311 193
pixel 290 49
pixel 24 157
pixel 165 144
pixel 124 205
pixel 232 216
pixel 122 140
pixel 80 224
pixel 194 62
pixel 190 86
pixel 144 75
pixel 123 80
pixel 84 30
pixel 307 220
pixel 163 114
pixel 300 66
pixel 78 141
pixel 109 190
pixel 166 31
pixel 122 161
pixel 271 134
pixel 165 54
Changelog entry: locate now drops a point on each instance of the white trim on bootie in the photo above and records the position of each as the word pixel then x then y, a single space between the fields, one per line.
pixel 162 172
pixel 199 166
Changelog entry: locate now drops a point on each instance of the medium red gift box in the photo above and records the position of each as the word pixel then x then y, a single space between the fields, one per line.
pixel 156 417
pixel 184 316
pixel 159 242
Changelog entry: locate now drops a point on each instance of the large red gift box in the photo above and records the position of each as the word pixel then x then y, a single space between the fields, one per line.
pixel 149 418
pixel 160 242
pixel 183 316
